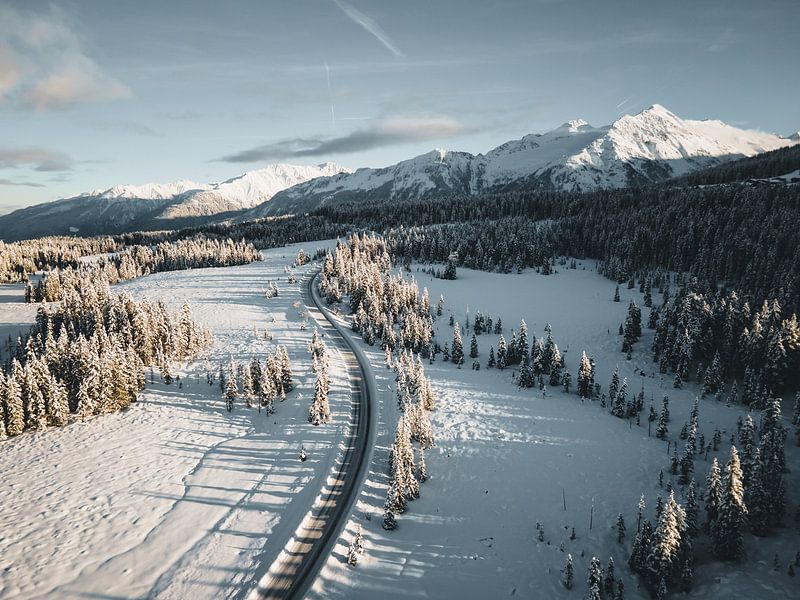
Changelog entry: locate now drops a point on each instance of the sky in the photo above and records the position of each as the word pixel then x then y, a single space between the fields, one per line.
pixel 95 93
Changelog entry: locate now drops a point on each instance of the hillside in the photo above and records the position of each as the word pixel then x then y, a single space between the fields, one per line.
pixel 774 164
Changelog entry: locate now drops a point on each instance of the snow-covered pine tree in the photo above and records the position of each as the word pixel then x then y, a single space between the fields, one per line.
pixel 502 353
pixel 619 401
pixel 663 420
pixel 231 386
pixel 473 347
pixel 727 530
pixel 584 386
pixel 595 579
pixel 457 351
pixel 610 578
pixel 568 573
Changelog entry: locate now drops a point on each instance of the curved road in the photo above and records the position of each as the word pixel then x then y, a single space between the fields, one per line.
pixel 299 562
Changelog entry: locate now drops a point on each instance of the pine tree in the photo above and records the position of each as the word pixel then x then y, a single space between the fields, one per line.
pixel 713 492
pixel 610 579
pixel 231 387
pixel 620 528
pixel 15 416
pixel 473 348
pixel 568 573
pixel 619 402
pixel 712 381
pixel 595 579
pixel 691 510
pixel 457 351
pixel 584 377
pixel 613 387
pixel 663 428
pixel 492 363
pixel 502 353
pixel 727 530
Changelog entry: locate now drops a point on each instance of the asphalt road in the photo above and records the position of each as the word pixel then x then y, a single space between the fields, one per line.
pixel 298 564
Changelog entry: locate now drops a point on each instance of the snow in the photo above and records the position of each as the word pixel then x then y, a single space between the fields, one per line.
pixel 576 156
pixel 175 498
pixel 504 457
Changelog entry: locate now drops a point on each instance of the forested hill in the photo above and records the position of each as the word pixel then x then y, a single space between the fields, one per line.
pixel 762 166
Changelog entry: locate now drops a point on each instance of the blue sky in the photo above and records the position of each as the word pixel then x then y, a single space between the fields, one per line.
pixel 96 93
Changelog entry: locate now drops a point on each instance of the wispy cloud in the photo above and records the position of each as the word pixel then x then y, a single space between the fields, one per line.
pixel 369 25
pixel 44 65
pixel 21 183
pixel 724 40
pixel 134 127
pixel 386 133
pixel 38 159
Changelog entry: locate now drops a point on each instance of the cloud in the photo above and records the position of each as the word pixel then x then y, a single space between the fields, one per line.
pixel 387 133
pixel 134 127
pixel 369 25
pixel 21 183
pixel 38 159
pixel 9 75
pixel 724 40
pixel 43 63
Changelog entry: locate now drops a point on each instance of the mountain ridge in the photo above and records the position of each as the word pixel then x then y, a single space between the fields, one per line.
pixel 649 147
pixel 180 203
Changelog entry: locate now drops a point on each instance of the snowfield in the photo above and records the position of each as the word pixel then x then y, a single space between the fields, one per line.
pixel 176 498
pixel 507 458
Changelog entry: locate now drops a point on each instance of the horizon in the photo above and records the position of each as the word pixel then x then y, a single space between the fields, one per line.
pixel 89 103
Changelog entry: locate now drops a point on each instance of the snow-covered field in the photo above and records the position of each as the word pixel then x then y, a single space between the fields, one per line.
pixel 507 458
pixel 176 498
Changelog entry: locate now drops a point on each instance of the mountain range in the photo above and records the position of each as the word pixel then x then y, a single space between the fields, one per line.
pixel 650 147
pixel 152 206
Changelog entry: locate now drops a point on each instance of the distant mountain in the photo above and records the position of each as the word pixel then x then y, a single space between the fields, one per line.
pixel 652 146
pixel 156 205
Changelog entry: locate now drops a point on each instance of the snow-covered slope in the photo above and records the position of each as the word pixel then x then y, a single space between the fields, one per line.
pixel 649 147
pixel 156 205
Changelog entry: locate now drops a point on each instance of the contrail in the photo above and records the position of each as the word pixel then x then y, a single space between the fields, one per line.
pixel 624 102
pixel 371 26
pixel 330 94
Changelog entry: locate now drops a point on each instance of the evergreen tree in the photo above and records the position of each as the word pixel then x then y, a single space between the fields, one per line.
pixel 620 528
pixel 502 353
pixel 584 377
pixel 568 573
pixel 663 420
pixel 610 579
pixel 457 351
pixel 595 579
pixel 473 347
pixel 231 386
pixel 727 530
pixel 713 492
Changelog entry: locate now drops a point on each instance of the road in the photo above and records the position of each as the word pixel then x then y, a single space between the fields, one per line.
pixel 294 570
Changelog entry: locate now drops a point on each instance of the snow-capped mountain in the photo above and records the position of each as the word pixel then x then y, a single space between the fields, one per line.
pixel 652 146
pixel 157 205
